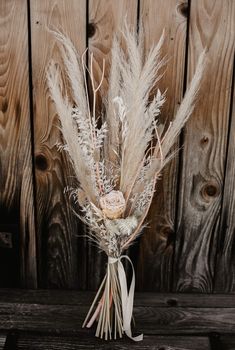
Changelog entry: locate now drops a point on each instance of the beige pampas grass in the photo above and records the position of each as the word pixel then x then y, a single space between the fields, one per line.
pixel 118 160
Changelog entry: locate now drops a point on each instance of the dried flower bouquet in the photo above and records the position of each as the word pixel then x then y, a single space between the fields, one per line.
pixel 117 156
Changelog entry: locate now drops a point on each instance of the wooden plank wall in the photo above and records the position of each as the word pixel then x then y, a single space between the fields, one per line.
pixel 16 177
pixel 189 245
pixel 205 145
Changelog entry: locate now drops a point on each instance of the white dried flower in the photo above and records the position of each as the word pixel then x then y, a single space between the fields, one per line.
pixel 113 204
pixel 122 227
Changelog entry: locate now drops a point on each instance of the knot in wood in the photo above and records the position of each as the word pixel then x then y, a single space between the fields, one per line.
pixel 41 162
pixel 204 141
pixel 183 9
pixel 91 29
pixel 210 190
pixel 169 236
pixel 172 302
pixel 4 106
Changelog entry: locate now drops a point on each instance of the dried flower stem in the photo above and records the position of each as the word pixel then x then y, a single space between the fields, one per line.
pixel 93 303
pixel 136 232
pixel 159 144
pixel 109 308
pixel 95 90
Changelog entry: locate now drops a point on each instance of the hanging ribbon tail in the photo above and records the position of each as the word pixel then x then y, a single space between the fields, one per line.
pixel 127 299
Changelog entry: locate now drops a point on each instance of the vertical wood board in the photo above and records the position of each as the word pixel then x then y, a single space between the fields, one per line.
pixel 197 186
pixel 60 249
pixel 225 265
pixel 16 181
pixel 157 242
pixel 205 140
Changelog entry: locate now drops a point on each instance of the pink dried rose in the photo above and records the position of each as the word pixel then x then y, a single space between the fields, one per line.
pixel 113 204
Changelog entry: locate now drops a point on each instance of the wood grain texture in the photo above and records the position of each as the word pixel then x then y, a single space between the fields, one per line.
pixel 16 184
pixel 225 266
pixel 157 243
pixel 105 19
pixel 27 342
pixel 204 240
pixel 67 319
pixel 197 320
pixel 202 174
pixel 60 249
pixel 79 298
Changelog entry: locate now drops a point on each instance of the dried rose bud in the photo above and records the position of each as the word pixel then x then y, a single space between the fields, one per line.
pixel 113 204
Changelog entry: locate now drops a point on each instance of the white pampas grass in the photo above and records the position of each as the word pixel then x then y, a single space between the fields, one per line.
pixel 71 137
pixel 118 160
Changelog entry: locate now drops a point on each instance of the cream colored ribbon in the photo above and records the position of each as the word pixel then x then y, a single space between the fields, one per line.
pixel 126 298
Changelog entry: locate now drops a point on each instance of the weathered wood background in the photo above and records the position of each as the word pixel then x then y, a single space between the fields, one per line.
pixel 190 242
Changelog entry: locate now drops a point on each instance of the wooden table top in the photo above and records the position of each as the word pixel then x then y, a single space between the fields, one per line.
pixel 52 319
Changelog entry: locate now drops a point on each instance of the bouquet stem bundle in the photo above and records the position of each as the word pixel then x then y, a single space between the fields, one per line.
pixel 108 312
pixel 117 156
pixel 114 310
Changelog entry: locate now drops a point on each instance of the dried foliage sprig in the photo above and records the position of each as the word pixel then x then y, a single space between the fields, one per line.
pixel 118 158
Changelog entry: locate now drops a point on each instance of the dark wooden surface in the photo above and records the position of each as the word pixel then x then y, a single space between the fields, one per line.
pixel 163 300
pixel 46 319
pixel 79 342
pixel 225 264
